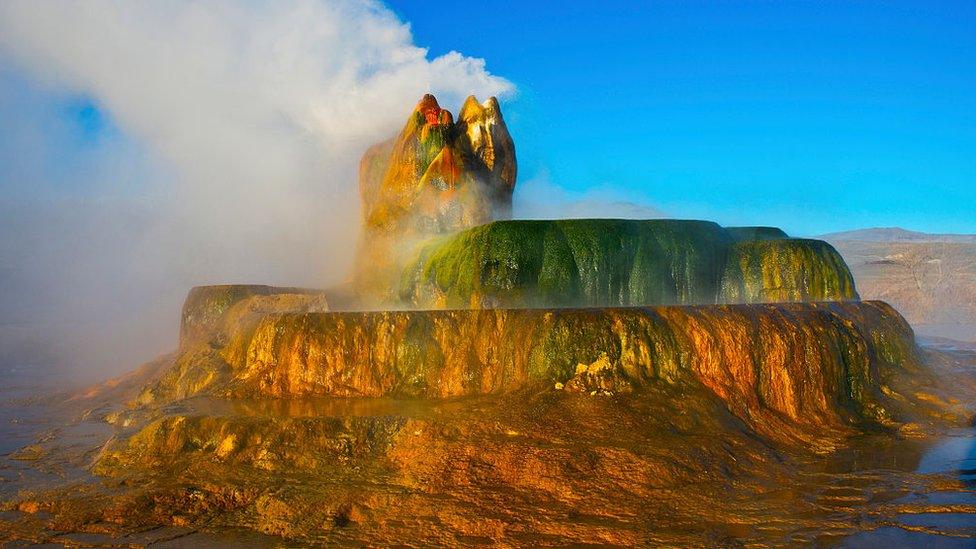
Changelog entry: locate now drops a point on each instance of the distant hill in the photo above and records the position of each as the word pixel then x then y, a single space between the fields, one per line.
pixel 929 278
pixel 897 234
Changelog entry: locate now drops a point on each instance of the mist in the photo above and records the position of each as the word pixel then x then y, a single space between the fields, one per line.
pixel 541 198
pixel 150 147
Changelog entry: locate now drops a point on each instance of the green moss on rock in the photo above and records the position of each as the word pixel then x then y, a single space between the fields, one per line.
pixel 786 269
pixel 612 262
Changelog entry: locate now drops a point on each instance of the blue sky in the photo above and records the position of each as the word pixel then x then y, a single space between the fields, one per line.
pixel 815 116
pixel 149 147
pixel 812 116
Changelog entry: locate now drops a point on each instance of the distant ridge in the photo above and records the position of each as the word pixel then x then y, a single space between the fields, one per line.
pixel 897 234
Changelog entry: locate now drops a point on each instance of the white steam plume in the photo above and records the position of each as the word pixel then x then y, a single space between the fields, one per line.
pixel 252 117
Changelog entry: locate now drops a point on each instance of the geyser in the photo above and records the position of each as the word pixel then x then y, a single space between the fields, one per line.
pixel 437 176
pixel 586 381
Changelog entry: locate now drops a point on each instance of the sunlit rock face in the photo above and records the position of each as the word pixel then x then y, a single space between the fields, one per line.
pixel 774 270
pixel 435 177
pixel 575 382
pixel 486 138
pixel 607 262
pixel 817 365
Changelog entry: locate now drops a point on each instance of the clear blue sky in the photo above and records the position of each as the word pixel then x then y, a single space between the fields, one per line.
pixel 812 116
pixel 815 116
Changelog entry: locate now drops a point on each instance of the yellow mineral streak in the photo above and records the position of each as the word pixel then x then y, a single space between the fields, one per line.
pixel 819 365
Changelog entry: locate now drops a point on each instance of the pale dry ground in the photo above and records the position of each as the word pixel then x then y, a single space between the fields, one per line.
pixel 932 284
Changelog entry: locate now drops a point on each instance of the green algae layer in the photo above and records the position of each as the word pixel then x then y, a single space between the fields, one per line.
pixel 610 262
pixel 791 269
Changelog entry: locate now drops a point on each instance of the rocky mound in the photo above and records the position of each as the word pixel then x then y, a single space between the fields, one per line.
pixel 207 310
pixel 435 177
pixel 342 428
pixel 606 262
pixel 785 269
pixel 691 402
pixel 820 366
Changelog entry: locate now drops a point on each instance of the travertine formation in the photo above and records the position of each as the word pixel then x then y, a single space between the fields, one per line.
pixel 612 262
pixel 777 270
pixel 565 382
pixel 211 310
pixel 813 364
pixel 435 177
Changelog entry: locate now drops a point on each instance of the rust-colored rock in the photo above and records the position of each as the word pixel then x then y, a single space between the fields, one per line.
pixel 817 366
pixel 675 424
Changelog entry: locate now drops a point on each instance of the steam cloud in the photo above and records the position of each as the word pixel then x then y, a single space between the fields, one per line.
pixel 231 156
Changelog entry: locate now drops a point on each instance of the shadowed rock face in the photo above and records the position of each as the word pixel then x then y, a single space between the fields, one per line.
pixel 607 262
pixel 815 365
pixel 435 177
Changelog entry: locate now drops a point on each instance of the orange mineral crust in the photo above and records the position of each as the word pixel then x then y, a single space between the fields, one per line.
pixel 813 365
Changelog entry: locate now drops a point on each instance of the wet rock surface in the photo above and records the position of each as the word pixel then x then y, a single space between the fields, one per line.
pixel 779 423
pixel 614 262
pixel 658 415
pixel 804 367
pixel 668 463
